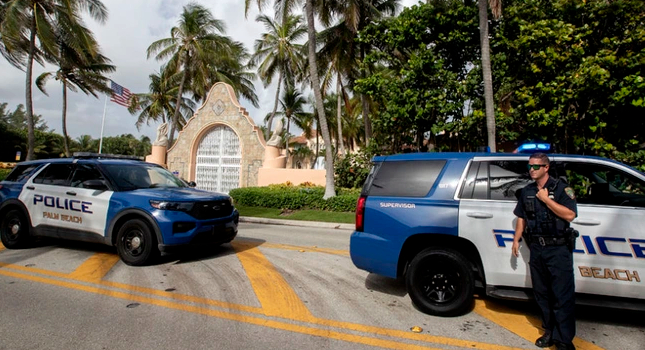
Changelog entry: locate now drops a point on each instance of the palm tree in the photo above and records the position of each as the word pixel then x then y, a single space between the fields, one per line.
pixel 86 143
pixel 292 104
pixel 26 23
pixel 159 102
pixel 496 8
pixel 78 70
pixel 277 53
pixel 355 15
pixel 337 54
pixel 283 7
pixel 190 49
pixel 230 69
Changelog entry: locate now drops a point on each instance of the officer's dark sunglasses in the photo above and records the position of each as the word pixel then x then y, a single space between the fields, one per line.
pixel 535 166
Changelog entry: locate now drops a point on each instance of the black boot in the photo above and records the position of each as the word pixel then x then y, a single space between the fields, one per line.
pixel 544 341
pixel 563 346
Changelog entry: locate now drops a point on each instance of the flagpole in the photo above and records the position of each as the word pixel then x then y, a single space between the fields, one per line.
pixel 103 124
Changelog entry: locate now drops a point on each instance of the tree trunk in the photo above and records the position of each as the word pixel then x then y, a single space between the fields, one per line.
pixel 175 118
pixel 313 165
pixel 65 143
pixel 488 79
pixel 275 106
pixel 330 191
pixel 286 142
pixel 341 148
pixel 29 108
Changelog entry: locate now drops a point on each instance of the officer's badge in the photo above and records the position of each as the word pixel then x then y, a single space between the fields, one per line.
pixel 570 193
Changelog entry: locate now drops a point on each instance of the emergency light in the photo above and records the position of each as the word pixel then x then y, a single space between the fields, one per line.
pixel 534 147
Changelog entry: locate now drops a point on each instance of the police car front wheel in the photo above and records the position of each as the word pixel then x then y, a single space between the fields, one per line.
pixel 135 243
pixel 14 230
pixel 440 282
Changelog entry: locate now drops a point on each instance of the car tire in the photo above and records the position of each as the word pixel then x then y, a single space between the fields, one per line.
pixel 14 230
pixel 440 282
pixel 135 243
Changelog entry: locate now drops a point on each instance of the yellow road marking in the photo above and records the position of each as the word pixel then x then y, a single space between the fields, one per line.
pixel 210 302
pixel 144 290
pixel 35 270
pixel 95 268
pixel 1 246
pixel 225 315
pixel 523 325
pixel 274 293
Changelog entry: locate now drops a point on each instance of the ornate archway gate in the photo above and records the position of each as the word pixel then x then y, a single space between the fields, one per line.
pixel 218 160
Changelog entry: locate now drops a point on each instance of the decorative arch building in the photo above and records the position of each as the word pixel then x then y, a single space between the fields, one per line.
pixel 220 147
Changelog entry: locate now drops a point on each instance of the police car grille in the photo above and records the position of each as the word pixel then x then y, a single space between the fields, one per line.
pixel 211 210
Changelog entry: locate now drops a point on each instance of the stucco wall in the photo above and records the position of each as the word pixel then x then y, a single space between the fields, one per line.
pixel 221 108
pixel 268 176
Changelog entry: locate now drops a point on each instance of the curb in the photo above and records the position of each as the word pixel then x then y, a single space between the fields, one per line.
pixel 302 223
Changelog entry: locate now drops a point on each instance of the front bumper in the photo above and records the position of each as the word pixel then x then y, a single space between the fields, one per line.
pixel 218 235
pixel 205 233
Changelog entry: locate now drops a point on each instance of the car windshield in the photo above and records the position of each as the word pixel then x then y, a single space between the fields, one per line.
pixel 132 177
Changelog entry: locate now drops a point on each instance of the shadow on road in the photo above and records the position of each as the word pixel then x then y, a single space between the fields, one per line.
pixel 385 285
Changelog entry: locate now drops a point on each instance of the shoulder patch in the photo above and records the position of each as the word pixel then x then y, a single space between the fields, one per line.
pixel 570 193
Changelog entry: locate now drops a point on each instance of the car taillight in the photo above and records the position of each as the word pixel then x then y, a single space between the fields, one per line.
pixel 360 213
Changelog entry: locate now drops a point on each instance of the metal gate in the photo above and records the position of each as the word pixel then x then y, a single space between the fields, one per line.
pixel 218 160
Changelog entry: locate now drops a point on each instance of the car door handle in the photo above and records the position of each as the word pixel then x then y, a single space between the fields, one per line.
pixel 586 222
pixel 31 187
pixel 71 193
pixel 479 215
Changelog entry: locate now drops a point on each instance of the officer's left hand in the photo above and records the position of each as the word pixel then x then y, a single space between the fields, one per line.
pixel 543 195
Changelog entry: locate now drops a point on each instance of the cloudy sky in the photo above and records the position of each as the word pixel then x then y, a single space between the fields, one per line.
pixel 131 27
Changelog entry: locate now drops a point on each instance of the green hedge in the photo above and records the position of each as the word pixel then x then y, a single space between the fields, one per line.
pixel 287 196
pixel 4 173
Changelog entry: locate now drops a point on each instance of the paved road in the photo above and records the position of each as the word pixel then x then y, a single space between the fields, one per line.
pixel 274 287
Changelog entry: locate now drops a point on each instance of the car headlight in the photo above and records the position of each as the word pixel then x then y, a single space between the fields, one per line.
pixel 167 205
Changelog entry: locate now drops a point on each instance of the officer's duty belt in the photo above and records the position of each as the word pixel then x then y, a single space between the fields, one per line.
pixel 548 240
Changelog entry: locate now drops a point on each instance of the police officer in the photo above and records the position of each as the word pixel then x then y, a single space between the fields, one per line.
pixel 544 210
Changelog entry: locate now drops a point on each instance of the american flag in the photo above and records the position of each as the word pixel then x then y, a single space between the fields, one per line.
pixel 120 94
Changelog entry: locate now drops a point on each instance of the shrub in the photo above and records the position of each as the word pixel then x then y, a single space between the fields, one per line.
pixel 287 196
pixel 351 170
pixel 4 173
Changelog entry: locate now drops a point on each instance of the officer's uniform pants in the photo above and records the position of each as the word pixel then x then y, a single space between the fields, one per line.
pixel 554 288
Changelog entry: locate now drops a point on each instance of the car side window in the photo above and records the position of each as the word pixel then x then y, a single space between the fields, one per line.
pixel 468 187
pixel 85 172
pixel 496 180
pixel 604 185
pixel 506 177
pixel 55 174
pixel 21 172
pixel 406 178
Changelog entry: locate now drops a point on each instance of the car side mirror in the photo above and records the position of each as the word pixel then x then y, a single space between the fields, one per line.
pixel 95 185
pixel 192 184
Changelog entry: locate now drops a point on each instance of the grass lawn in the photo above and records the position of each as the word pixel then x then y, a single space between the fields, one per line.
pixel 307 215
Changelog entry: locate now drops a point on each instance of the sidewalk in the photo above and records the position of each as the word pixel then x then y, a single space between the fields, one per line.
pixel 303 223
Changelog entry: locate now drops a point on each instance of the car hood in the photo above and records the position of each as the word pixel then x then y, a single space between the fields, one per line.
pixel 179 194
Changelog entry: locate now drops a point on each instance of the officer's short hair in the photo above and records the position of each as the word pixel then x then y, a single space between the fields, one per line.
pixel 541 156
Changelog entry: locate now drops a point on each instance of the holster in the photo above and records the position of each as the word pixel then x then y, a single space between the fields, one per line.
pixel 570 235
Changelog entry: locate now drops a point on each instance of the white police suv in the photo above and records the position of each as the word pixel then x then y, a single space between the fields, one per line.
pixel 445 222
pixel 141 208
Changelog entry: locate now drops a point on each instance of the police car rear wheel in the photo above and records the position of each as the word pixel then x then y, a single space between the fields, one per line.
pixel 135 243
pixel 14 230
pixel 440 282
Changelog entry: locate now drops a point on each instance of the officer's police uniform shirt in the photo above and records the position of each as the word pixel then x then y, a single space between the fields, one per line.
pixel 562 194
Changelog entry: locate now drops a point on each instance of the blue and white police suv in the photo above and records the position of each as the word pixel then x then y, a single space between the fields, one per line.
pixel 445 222
pixel 141 208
